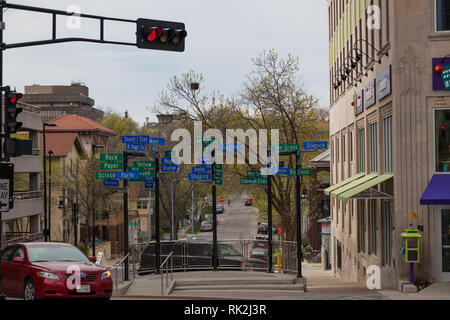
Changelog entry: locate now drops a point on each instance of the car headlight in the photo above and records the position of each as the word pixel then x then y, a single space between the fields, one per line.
pixel 48 275
pixel 106 275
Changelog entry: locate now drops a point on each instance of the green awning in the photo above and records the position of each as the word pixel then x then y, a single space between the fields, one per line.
pixel 363 188
pixel 342 183
pixel 353 184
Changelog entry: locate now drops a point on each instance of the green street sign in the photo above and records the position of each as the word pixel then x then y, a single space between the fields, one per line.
pixel 134 224
pixel 111 157
pixel 169 154
pixel 258 180
pixel 218 174
pixel 217 167
pixel 105 174
pixel 218 182
pixel 111 166
pixel 147 173
pixel 206 141
pixel 305 172
pixel 253 173
pixel 144 164
pixel 286 147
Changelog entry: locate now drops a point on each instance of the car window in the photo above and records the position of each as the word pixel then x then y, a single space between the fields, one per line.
pixel 55 253
pixel 7 255
pixel 227 250
pixel 19 253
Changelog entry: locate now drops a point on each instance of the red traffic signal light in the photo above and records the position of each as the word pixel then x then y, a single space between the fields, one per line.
pixel 160 35
pixel 12 111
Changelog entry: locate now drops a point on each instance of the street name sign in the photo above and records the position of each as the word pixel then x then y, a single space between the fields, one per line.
pixel 110 183
pixel 105 174
pixel 313 145
pixel 256 180
pixel 111 165
pixel 169 154
pixel 200 176
pixel 148 184
pixel 136 139
pixel 202 168
pixel 111 157
pixel 286 147
pixel 144 164
pixel 127 175
pixel 169 161
pixel 253 173
pixel 169 168
pixel 135 147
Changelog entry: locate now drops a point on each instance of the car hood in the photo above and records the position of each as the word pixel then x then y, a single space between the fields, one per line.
pixel 63 266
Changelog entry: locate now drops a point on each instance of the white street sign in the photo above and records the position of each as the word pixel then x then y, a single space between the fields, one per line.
pixel 4 195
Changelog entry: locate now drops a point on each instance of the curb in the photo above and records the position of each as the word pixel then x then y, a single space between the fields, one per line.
pixel 122 290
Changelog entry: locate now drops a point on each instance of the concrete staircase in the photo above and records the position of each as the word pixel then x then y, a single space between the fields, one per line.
pixel 240 284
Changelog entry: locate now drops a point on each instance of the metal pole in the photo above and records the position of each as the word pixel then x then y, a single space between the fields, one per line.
pixel 214 253
pixel 172 233
pixel 125 213
pixel 45 183
pixel 49 195
pixel 298 214
pixel 192 210
pixel 157 235
pixel 269 219
pixel 149 215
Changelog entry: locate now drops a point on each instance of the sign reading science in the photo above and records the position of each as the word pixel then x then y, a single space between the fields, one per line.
pixel 384 83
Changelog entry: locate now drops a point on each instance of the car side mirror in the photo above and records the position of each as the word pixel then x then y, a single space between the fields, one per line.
pixel 18 260
pixel 93 259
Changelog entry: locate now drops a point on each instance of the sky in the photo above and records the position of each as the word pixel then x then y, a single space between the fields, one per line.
pixel 223 37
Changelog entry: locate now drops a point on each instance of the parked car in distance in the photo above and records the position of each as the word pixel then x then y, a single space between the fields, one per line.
pixel 263 228
pixel 260 242
pixel 206 226
pixel 38 270
pixel 259 253
pixel 219 209
pixel 248 202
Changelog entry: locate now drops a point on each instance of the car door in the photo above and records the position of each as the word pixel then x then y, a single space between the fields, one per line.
pixel 17 276
pixel 6 270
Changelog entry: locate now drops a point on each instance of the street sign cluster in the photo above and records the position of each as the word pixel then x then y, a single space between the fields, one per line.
pixel 202 173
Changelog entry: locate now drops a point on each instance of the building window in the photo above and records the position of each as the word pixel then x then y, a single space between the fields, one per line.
pixel 387 229
pixel 337 150
pixel 373 226
pixel 142 204
pixel 442 140
pixel 373 147
pixel 343 149
pixel 361 150
pixel 350 144
pixel 387 144
pixel 442 15
pixel 361 226
pixel 339 254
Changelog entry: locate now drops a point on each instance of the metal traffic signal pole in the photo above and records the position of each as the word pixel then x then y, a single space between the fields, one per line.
pixel 214 253
pixel 125 213
pixel 157 236
pixel 269 219
pixel 298 167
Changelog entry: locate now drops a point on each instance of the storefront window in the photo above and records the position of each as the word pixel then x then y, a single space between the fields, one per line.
pixel 442 140
pixel 442 15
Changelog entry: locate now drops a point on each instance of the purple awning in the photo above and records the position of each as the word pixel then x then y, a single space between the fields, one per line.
pixel 437 191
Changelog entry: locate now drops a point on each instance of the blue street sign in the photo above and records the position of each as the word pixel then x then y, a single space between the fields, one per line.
pixel 157 141
pixel 149 179
pixel 201 176
pixel 110 183
pixel 280 171
pixel 135 147
pixel 312 145
pixel 232 147
pixel 169 161
pixel 148 184
pixel 169 168
pixel 202 168
pixel 136 139
pixel 280 164
pixel 127 175
pixel 206 160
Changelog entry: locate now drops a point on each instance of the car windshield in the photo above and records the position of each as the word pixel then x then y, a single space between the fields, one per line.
pixel 206 222
pixel 55 253
pixel 258 251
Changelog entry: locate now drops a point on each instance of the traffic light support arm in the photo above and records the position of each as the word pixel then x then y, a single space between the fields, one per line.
pixel 55 13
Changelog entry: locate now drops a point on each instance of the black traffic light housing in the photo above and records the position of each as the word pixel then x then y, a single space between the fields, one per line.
pixel 160 35
pixel 12 111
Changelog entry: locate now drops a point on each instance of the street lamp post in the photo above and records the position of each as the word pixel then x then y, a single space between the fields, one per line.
pixel 50 152
pixel 94 147
pixel 46 124
pixel 172 235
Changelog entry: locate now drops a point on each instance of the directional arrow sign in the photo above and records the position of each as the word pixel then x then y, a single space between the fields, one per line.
pixel 111 157
pixel 111 165
pixel 200 176
pixel 127 175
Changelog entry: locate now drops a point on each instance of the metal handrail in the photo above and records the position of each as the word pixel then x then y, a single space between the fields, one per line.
pixel 161 268
pixel 116 267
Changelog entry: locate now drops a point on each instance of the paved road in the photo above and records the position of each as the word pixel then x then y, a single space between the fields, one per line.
pixel 237 221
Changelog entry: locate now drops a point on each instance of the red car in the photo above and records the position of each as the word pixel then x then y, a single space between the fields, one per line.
pixel 248 202
pixel 37 270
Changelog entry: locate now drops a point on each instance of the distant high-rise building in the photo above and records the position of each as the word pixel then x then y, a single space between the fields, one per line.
pixel 55 101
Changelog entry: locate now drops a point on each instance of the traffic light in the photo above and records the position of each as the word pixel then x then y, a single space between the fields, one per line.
pixel 11 111
pixel 160 35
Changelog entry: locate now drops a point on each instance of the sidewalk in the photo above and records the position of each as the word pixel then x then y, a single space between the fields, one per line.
pixel 436 291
